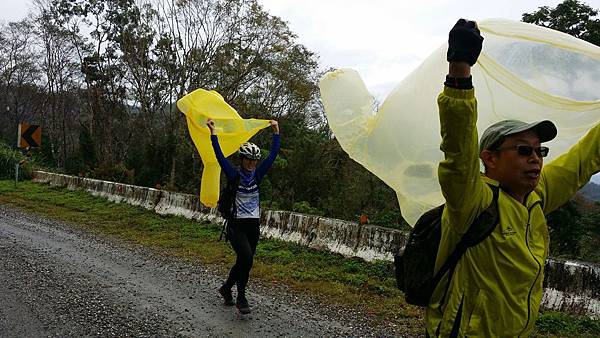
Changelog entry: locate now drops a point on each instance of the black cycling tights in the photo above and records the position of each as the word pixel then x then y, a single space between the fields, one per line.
pixel 243 235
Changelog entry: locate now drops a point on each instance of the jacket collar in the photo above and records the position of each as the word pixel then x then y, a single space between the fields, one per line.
pixel 531 198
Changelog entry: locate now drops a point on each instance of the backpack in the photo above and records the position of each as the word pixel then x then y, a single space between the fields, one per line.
pixel 415 264
pixel 226 203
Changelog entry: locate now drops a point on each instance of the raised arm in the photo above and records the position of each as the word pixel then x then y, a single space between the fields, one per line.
pixel 562 177
pixel 229 170
pixel 264 166
pixel 458 173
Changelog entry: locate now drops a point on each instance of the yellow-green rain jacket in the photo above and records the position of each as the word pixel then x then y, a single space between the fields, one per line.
pixel 497 285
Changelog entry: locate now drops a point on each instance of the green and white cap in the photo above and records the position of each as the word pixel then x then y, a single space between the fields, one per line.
pixel 546 131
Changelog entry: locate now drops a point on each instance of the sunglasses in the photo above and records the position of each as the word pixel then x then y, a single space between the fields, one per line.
pixel 527 150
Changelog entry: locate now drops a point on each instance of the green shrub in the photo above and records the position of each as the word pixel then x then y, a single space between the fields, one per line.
pixel 8 159
pixel 115 173
pixel 390 219
pixel 270 204
pixel 74 166
pixel 305 208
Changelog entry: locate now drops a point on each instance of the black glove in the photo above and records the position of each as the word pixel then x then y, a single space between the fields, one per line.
pixel 464 42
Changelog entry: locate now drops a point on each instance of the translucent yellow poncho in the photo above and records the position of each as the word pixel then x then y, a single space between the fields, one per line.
pixel 200 105
pixel 524 72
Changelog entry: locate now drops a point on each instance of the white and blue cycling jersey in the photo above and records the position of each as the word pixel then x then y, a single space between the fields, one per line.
pixel 247 198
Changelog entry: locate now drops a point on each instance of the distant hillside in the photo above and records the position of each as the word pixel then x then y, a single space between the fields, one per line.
pixel 591 191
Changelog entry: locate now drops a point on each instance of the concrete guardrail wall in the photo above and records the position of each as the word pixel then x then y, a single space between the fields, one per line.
pixel 569 286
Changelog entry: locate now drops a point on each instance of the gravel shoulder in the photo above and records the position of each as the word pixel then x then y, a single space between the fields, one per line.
pixel 57 280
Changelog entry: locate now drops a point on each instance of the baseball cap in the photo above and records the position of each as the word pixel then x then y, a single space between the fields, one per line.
pixel 546 131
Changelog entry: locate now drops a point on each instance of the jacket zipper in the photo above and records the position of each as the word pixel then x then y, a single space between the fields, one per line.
pixel 535 259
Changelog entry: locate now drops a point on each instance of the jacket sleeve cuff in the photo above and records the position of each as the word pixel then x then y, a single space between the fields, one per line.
pixel 463 94
pixel 459 83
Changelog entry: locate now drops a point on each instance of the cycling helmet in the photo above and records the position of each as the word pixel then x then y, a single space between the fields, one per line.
pixel 250 150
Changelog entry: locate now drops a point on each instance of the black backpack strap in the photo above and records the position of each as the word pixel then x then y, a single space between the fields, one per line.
pixel 223 231
pixel 232 186
pixel 480 229
pixel 235 182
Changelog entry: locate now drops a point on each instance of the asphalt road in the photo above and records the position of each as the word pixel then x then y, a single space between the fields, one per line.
pixel 57 280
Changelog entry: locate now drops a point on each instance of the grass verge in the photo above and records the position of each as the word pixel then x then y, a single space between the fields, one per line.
pixel 557 324
pixel 368 287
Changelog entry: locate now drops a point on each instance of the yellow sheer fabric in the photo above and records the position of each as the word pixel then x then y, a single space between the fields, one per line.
pixel 524 72
pixel 200 105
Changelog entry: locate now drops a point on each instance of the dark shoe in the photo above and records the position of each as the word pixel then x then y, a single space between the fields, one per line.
pixel 242 306
pixel 227 297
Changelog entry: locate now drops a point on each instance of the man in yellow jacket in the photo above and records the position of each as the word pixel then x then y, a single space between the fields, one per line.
pixel 496 288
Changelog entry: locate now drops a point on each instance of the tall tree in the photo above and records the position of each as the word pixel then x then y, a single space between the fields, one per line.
pixel 62 79
pixel 19 75
pixel 572 17
pixel 103 70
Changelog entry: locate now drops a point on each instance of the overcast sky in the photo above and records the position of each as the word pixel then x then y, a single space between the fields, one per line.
pixel 382 39
pixel 385 40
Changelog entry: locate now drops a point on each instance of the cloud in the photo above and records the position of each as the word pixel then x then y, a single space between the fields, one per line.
pixel 385 40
